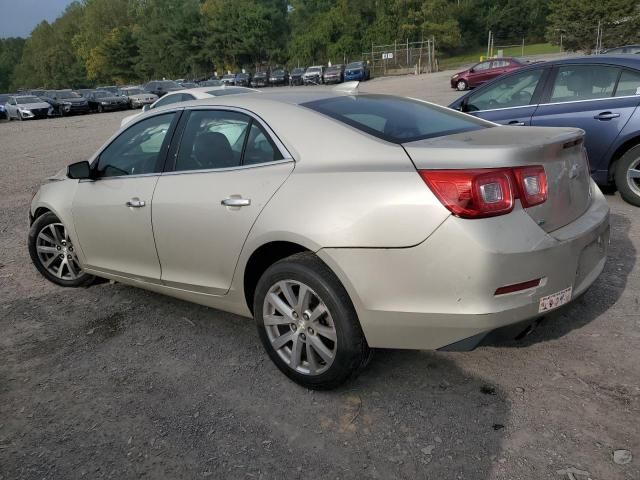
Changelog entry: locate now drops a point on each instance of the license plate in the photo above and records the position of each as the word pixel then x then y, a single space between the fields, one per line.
pixel 555 300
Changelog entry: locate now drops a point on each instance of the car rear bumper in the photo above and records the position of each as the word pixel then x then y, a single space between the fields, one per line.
pixel 442 291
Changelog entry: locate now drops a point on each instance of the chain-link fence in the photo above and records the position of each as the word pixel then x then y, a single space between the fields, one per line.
pixel 400 58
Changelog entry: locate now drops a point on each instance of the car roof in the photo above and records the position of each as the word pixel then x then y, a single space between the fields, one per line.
pixel 618 60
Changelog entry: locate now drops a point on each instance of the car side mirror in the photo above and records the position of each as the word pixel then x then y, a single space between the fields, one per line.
pixel 79 170
pixel 146 108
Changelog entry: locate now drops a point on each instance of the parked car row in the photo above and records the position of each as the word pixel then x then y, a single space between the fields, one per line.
pixel 314 75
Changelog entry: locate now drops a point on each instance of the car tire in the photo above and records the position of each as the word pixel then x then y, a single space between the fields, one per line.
pixel 462 85
pixel 49 244
pixel 331 347
pixel 627 176
pixel 100 109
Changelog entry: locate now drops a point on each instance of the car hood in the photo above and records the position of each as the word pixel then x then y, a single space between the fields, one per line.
pixel 142 96
pixel 111 99
pixel 72 100
pixel 464 72
pixel 29 106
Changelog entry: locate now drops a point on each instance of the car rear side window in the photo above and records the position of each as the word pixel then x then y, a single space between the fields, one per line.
pixel 584 82
pixel 395 119
pixel 629 84
pixel 212 139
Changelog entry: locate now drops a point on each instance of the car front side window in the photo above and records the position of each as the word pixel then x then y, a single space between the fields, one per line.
pixel 513 91
pixel 481 66
pixel 137 151
pixel 584 82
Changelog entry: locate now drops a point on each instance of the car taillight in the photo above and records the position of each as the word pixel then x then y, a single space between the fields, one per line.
pixel 487 192
pixel 532 183
pixel 475 193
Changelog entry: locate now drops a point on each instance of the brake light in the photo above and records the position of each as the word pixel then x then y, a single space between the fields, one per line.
pixel 487 192
pixel 475 193
pixel 532 183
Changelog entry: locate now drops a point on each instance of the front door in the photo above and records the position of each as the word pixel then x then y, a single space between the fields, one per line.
pixel 509 101
pixel 112 214
pixel 590 97
pixel 226 169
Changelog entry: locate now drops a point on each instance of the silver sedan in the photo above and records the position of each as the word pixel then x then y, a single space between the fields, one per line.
pixel 341 222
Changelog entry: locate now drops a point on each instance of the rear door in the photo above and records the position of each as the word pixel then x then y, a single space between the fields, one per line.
pixel 593 98
pixel 511 100
pixel 226 168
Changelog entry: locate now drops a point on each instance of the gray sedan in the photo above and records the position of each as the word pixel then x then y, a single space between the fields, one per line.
pixel 26 107
pixel 341 222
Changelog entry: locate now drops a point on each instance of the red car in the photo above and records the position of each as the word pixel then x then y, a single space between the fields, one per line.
pixel 483 72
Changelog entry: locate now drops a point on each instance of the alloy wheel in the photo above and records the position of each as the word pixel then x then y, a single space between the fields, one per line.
pixel 56 253
pixel 300 327
pixel 461 85
pixel 633 176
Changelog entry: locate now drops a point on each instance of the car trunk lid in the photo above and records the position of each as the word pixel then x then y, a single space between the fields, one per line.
pixel 559 150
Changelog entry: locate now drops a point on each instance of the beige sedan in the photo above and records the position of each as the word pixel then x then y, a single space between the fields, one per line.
pixel 340 221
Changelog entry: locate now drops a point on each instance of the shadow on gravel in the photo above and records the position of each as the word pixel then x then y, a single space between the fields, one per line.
pixel 602 295
pixel 174 390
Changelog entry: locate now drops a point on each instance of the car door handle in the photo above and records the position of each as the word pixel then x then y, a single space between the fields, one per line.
pixel 606 116
pixel 236 202
pixel 516 123
pixel 135 203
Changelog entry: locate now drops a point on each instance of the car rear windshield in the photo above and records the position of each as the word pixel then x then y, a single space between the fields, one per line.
pixel 68 95
pixel 355 65
pixel 395 119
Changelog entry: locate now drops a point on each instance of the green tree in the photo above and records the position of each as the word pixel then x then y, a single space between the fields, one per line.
pixel 10 55
pixel 577 20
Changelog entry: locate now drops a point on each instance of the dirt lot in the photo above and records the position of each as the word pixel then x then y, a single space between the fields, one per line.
pixel 115 382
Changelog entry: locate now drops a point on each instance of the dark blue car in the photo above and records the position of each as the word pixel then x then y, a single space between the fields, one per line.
pixel 599 94
pixel 357 71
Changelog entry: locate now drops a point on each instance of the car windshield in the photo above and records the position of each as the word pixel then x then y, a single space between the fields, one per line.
pixel 4 98
pixel 25 100
pixel 333 69
pixel 298 71
pixel 211 83
pixel 260 74
pixel 133 91
pixel 229 76
pixel 395 119
pixel 243 75
pixel 229 91
pixel 68 95
pixel 313 69
pixel 278 72
pixel 166 84
pixel 101 94
pixel 355 65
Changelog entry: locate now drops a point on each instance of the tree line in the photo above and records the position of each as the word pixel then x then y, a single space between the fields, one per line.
pixel 129 41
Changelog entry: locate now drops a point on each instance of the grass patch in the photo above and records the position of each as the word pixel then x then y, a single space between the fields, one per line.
pixel 474 56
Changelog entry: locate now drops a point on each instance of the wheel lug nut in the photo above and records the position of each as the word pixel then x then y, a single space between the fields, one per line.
pixel 295 314
pixel 62 255
pixel 305 316
pixel 310 330
pixel 58 247
pixel 303 336
pixel 69 257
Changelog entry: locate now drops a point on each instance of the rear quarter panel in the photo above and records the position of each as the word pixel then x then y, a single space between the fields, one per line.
pixel 348 189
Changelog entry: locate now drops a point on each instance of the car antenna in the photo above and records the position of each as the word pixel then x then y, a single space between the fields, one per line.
pixel 347 87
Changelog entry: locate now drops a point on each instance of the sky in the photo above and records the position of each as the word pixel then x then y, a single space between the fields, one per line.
pixel 19 17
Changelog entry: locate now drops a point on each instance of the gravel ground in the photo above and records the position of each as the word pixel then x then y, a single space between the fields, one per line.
pixel 115 382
